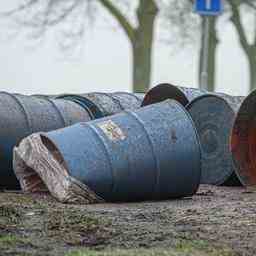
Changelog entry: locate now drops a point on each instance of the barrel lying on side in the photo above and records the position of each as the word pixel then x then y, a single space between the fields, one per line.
pixel 21 116
pixel 243 141
pixel 214 116
pixel 225 125
pixel 168 91
pixel 101 104
pixel 151 153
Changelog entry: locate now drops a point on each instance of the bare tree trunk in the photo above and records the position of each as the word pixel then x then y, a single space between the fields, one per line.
pixel 248 48
pixel 142 45
pixel 141 39
pixel 252 68
pixel 212 45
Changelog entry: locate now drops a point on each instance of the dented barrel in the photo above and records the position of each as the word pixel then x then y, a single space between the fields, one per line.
pixel 168 91
pixel 150 153
pixel 21 116
pixel 101 104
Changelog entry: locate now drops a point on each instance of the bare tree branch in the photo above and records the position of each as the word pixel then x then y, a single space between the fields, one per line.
pixel 236 20
pixel 20 8
pixel 122 20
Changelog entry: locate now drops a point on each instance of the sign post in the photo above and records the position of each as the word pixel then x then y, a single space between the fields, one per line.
pixel 206 8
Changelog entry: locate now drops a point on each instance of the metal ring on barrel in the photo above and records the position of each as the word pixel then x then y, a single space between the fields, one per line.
pixel 165 91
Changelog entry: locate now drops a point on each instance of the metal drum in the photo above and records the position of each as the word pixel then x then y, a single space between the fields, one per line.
pixel 243 141
pixel 150 153
pixel 214 116
pixel 23 115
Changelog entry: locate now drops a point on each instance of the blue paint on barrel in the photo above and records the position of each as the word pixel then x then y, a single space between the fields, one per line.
pixel 21 116
pixel 150 153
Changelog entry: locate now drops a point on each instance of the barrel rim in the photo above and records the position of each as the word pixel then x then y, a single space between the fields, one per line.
pixel 86 103
pixel 168 89
pixel 219 97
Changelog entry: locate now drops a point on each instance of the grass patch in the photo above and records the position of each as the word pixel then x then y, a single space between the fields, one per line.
pixel 76 228
pixel 8 240
pixel 184 248
pixel 10 217
pixel 200 247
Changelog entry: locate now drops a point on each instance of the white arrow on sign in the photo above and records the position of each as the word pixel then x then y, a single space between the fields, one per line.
pixel 208 4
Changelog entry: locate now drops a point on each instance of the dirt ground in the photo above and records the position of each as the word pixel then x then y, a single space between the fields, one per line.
pixel 216 221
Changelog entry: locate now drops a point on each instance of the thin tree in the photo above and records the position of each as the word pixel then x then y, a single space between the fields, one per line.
pixel 249 48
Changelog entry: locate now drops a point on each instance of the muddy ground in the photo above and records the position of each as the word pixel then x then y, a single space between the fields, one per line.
pixel 217 221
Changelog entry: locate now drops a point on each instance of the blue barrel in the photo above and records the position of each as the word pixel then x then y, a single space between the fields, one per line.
pixel 150 153
pixel 101 104
pixel 23 115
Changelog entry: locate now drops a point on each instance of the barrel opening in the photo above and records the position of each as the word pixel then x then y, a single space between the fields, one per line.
pixel 243 141
pixel 59 182
pixel 53 150
pixel 163 92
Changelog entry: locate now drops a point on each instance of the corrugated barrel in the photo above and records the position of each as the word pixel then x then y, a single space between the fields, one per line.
pixel 150 153
pixel 168 91
pixel 105 104
pixel 23 115
pixel 214 116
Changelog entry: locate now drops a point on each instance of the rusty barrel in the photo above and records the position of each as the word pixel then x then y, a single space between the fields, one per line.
pixel 150 153
pixel 21 116
pixel 101 104
pixel 168 91
pixel 214 116
pixel 243 141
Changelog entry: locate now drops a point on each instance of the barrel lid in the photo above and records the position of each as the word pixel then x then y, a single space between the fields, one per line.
pixel 213 118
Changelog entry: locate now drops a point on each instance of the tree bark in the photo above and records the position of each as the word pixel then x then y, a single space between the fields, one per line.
pixel 252 68
pixel 142 45
pixel 141 39
pixel 212 46
pixel 248 48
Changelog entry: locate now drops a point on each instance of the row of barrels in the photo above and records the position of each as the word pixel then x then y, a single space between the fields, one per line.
pixel 126 147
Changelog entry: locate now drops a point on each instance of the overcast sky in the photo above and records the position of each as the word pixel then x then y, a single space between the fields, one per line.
pixel 106 65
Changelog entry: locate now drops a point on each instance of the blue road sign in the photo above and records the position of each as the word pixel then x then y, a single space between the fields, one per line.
pixel 208 7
